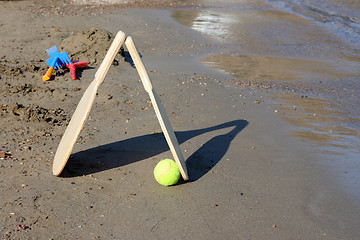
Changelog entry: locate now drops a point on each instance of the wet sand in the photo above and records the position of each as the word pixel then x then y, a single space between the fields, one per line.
pixel 307 66
pixel 248 179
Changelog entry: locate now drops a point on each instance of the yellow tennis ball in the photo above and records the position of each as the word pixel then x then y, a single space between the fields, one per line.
pixel 166 172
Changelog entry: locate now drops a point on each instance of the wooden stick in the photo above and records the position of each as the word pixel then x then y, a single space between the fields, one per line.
pixel 159 109
pixel 83 109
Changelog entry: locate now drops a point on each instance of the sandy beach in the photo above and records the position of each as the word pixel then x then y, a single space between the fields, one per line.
pixel 249 178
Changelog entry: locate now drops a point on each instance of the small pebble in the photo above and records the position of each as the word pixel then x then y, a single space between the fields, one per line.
pixel 21 226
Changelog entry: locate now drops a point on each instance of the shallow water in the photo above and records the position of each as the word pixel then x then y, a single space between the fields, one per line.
pixel 309 57
pixel 341 17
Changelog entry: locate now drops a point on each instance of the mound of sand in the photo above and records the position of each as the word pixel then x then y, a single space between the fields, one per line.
pixel 89 45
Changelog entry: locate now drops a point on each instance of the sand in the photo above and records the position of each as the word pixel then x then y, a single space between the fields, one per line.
pixel 248 179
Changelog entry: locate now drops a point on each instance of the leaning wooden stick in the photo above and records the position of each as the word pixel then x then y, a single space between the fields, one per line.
pixel 159 109
pixel 83 109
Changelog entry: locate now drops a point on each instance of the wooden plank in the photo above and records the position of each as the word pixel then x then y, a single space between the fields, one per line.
pixel 82 111
pixel 159 109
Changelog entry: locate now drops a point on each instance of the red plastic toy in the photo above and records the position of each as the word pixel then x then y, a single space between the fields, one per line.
pixel 73 66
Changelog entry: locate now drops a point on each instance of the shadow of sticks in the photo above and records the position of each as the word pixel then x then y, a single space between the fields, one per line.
pixel 121 153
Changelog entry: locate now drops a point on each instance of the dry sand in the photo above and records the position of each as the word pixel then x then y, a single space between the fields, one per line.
pixel 248 180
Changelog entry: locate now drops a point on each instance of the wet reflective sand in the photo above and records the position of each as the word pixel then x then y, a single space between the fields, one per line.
pixel 310 72
pixel 261 67
pixel 320 121
pixel 261 44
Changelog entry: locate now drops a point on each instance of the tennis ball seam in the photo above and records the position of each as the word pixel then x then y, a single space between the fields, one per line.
pixel 166 172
